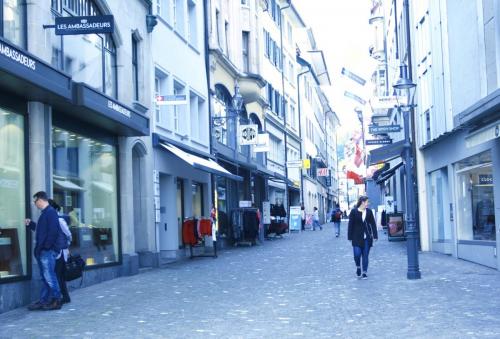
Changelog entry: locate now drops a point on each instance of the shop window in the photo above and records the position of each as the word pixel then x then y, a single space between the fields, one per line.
pixel 135 67
pixel 85 185
pixel 13 22
pixel 13 250
pixel 88 58
pixel 475 198
pixel 197 199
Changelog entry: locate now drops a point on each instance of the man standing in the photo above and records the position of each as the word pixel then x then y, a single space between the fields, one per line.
pixel 337 218
pixel 49 242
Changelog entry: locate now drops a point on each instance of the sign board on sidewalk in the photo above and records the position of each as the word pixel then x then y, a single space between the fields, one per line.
pixel 384 141
pixel 395 226
pixel 383 129
pixel 294 223
pixel 248 134
pixel 172 100
pixel 73 25
pixel 266 212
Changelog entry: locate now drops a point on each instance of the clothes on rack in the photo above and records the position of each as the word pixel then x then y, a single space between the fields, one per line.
pixel 245 224
pixel 189 232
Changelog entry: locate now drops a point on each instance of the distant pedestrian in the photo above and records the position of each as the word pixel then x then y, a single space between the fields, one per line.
pixel 303 217
pixel 336 219
pixel 316 220
pixel 362 231
pixel 63 256
pixel 49 242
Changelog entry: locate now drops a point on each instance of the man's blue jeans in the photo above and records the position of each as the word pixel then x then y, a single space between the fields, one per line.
pixel 362 252
pixel 50 287
pixel 337 227
pixel 316 224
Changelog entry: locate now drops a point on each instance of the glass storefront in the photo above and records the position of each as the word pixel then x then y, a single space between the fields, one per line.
pixel 475 199
pixel 85 185
pixel 440 206
pixel 13 252
pixel 13 21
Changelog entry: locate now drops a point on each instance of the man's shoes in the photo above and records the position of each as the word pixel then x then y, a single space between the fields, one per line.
pixel 336 235
pixel 364 276
pixel 65 300
pixel 358 272
pixel 56 304
pixel 38 305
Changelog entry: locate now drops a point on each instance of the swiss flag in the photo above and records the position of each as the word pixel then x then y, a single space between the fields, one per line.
pixel 358 179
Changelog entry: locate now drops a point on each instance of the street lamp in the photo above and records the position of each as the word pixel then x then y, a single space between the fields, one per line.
pixel 405 91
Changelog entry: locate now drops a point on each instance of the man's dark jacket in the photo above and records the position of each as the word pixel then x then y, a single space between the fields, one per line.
pixel 356 228
pixel 48 232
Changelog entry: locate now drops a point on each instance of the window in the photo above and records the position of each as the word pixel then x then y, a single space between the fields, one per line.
pixel 245 51
pixel 475 198
pixel 178 12
pixel 161 111
pixel 197 199
pixel 13 22
pixel 276 153
pixel 194 116
pixel 13 250
pixel 163 9
pixel 178 110
pixel 217 24
pixel 85 185
pixel 89 58
pixel 290 36
pixel 226 37
pixel 135 68
pixel 223 128
pixel 245 2
pixel 439 207
pixel 193 24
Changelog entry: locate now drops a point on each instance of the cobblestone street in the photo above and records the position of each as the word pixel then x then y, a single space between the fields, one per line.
pixel 303 285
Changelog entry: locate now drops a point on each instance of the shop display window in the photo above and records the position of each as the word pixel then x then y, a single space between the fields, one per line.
pixel 13 250
pixel 476 207
pixel 85 185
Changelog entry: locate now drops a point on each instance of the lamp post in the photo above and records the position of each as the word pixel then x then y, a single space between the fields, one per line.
pixel 405 90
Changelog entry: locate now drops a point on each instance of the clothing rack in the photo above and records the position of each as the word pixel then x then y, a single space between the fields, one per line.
pixel 245 226
pixel 194 234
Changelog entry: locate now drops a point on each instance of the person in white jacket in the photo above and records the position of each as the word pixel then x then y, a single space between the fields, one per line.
pixel 316 220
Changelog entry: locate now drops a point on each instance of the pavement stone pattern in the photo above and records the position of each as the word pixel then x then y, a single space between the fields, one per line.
pixel 303 285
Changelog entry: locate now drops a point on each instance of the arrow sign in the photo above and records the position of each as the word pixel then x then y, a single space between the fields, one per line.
pixel 384 141
pixel 384 129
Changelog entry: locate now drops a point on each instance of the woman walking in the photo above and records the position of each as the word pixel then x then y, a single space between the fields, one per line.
pixel 362 231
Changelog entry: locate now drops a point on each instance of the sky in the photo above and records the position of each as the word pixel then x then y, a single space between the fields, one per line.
pixel 342 31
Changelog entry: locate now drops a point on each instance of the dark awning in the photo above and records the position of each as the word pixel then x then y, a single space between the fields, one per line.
pixel 389 173
pixel 386 153
pixel 204 164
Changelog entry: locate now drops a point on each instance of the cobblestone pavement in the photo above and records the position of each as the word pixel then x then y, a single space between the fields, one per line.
pixel 303 285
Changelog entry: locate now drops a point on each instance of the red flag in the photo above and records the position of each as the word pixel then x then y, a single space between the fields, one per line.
pixel 358 179
pixel 358 156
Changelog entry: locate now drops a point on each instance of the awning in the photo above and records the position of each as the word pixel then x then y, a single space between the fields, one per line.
pixel 277 177
pixel 387 152
pixel 207 165
pixel 67 185
pixel 389 173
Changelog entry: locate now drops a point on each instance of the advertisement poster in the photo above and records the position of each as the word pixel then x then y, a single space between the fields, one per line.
pixel 266 212
pixel 295 223
pixel 395 225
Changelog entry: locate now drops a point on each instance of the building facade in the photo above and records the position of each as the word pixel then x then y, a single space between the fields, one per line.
pixel 74 123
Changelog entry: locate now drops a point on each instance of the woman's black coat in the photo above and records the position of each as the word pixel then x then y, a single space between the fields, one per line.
pixel 355 230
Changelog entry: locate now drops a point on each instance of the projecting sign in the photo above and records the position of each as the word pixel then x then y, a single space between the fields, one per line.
pixel 178 99
pixel 384 129
pixel 72 25
pixel 322 172
pixel 328 181
pixel 248 134
pixel 384 141
pixel 262 144
pixel 306 163
pixel 383 102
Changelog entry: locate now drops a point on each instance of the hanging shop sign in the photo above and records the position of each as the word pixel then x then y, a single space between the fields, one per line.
pixel 386 102
pixel 295 220
pixel 73 25
pixel 329 181
pixel 306 163
pixel 248 134
pixel 262 144
pixel 171 100
pixel 384 141
pixel 322 172
pixel 384 129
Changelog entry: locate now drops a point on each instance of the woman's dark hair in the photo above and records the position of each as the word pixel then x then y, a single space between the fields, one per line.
pixel 361 200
